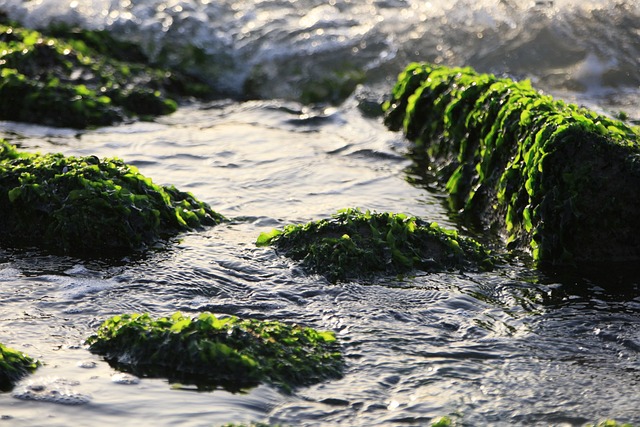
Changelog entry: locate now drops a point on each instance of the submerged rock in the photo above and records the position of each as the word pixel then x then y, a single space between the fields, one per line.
pixel 89 206
pixel 557 180
pixel 13 366
pixel 81 78
pixel 354 244
pixel 211 352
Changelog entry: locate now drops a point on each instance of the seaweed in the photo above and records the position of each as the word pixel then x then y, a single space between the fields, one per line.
pixel 557 180
pixel 609 423
pixel 14 365
pixel 211 351
pixel 82 78
pixel 355 244
pixel 89 206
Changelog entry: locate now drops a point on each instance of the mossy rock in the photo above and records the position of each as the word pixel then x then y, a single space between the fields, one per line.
pixel 89 206
pixel 80 78
pixel 355 244
pixel 218 352
pixel 333 88
pixel 557 180
pixel 13 366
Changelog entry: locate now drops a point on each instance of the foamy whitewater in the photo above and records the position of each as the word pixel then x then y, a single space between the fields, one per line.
pixel 585 46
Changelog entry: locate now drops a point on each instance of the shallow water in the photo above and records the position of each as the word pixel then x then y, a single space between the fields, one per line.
pixel 510 347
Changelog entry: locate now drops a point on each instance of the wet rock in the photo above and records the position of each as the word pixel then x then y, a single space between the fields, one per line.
pixel 552 178
pixel 80 78
pixel 89 206
pixel 355 244
pixel 215 352
pixel 14 365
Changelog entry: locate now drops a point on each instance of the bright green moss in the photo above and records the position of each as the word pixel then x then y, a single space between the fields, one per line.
pixel 209 351
pixel 13 366
pixel 89 206
pixel 80 79
pixel 442 422
pixel 355 244
pixel 609 423
pixel 559 180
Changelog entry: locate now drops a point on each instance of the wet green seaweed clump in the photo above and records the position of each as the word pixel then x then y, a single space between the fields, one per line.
pixel 209 351
pixel 13 366
pixel 89 206
pixel 355 244
pixel 609 423
pixel 555 179
pixel 81 78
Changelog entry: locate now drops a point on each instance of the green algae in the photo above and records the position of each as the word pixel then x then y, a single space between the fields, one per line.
pixel 609 423
pixel 89 206
pixel 212 351
pixel 442 422
pixel 354 244
pixel 558 180
pixel 13 366
pixel 81 79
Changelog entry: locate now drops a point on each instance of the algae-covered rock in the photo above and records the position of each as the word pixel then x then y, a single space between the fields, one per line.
pixel 210 351
pixel 89 206
pixel 13 366
pixel 354 244
pixel 560 181
pixel 81 79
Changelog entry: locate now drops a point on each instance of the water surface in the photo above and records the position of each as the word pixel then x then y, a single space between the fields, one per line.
pixel 509 347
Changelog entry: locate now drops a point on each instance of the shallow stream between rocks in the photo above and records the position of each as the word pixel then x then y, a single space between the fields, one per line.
pixel 514 346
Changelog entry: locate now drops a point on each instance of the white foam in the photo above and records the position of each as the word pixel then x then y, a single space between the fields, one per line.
pixel 9 273
pixel 280 46
pixel 52 390
pixel 70 287
pixel 124 378
pixel 87 364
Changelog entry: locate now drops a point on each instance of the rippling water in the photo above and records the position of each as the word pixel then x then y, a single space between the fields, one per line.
pixel 510 347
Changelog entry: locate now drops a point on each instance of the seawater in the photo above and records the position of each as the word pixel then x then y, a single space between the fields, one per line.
pixel 510 347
